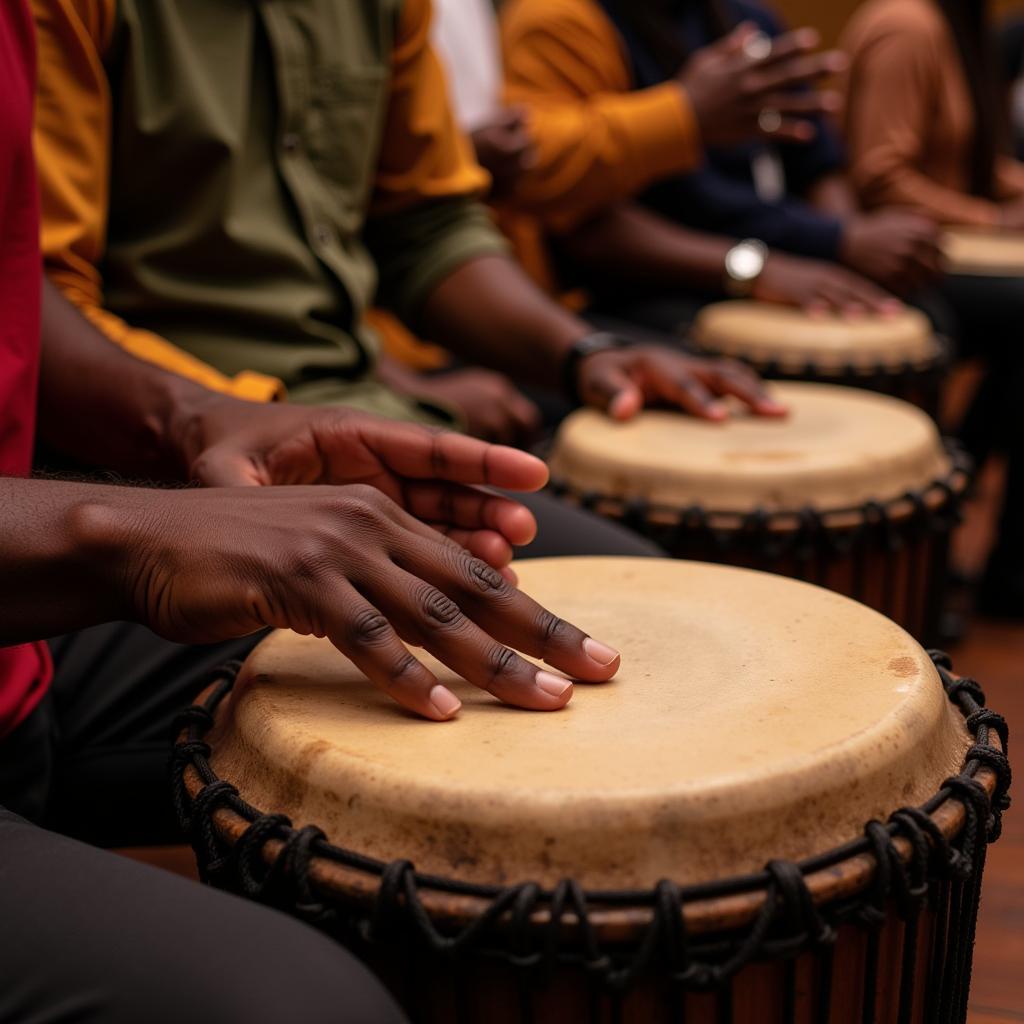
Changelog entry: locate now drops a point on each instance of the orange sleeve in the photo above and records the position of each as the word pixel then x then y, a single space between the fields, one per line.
pixel 893 73
pixel 72 143
pixel 423 154
pixel 598 141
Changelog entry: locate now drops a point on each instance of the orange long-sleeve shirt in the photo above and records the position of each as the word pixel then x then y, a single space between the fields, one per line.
pixel 423 157
pixel 598 140
pixel 909 119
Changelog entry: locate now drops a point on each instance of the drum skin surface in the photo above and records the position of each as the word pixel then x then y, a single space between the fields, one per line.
pixel 984 253
pixel 838 448
pixel 764 333
pixel 753 718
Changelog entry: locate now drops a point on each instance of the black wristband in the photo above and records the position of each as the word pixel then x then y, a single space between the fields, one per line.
pixel 599 341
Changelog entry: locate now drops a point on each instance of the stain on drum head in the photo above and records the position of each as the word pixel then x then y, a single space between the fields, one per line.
pixel 753 717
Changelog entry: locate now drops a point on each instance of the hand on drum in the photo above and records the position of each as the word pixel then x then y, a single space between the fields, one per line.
pixel 227 443
pixel 346 563
pixel 897 248
pixel 624 381
pixel 821 288
pixel 742 87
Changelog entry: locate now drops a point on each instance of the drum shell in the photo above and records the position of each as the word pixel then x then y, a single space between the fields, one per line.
pixel 829 986
pixel 896 563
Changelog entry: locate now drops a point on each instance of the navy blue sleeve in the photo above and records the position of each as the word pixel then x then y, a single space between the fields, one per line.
pixel 709 200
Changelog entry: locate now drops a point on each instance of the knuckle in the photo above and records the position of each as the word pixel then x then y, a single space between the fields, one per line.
pixel 551 628
pixel 309 562
pixel 483 576
pixel 501 662
pixel 406 664
pixel 369 627
pixel 440 609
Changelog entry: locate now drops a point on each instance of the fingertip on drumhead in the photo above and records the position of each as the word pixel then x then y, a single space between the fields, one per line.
pixel 443 703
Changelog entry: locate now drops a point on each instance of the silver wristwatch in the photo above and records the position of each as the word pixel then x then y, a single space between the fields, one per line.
pixel 744 263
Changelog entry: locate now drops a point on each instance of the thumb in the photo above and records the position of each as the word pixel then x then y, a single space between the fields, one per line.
pixel 221 466
pixel 607 386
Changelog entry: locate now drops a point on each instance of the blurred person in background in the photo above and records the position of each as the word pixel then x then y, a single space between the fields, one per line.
pixel 926 130
pixel 649 222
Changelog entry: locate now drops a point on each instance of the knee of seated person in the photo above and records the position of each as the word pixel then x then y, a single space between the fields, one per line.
pixel 282 970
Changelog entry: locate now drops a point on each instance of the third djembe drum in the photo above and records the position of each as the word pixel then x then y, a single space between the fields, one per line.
pixel 898 355
pixel 984 253
pixel 854 491
pixel 777 812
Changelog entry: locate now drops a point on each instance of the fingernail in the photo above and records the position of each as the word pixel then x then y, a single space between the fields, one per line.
pixel 599 652
pixel 552 684
pixel 444 701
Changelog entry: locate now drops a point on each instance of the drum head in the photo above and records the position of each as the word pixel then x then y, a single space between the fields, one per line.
pixel 838 448
pixel 765 333
pixel 753 717
pixel 984 253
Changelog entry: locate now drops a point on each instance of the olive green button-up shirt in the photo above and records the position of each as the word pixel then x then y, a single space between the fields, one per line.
pixel 271 167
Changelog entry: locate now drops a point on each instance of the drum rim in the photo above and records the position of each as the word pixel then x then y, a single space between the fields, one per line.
pixel 812 370
pixel 215 816
pixel 937 494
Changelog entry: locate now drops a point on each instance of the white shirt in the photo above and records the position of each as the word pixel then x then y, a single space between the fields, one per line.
pixel 465 38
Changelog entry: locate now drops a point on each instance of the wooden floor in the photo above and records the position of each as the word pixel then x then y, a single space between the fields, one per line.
pixel 993 653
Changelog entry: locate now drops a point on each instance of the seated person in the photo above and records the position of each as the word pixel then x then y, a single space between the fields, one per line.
pixel 627 211
pixel 925 128
pixel 163 585
pixel 248 211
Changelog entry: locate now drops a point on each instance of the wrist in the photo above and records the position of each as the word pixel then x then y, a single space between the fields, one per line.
pixel 580 351
pixel 182 425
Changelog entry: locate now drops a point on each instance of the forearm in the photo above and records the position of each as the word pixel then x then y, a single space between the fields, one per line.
pixel 54 574
pixel 634 245
pixel 489 312
pixel 103 407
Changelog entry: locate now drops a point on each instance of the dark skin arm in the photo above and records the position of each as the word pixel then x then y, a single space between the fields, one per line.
pixel 353 559
pixel 631 243
pixel 489 312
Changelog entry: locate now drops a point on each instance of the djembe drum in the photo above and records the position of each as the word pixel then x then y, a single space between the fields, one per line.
pixel 899 355
pixel 853 491
pixel 778 811
pixel 984 253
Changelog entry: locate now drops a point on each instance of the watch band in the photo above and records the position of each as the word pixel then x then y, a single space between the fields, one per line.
pixel 588 345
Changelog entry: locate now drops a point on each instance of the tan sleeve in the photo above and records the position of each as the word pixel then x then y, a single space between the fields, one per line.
pixel 598 141
pixel 894 71
pixel 72 143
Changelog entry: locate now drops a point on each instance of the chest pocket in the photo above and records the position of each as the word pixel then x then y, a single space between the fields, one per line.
pixel 344 124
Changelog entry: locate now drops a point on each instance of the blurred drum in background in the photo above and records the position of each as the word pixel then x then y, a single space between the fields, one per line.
pixel 984 253
pixel 899 355
pixel 853 491
pixel 778 811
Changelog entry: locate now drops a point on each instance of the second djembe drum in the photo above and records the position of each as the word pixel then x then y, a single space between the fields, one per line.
pixel 777 813
pixel 898 355
pixel 854 491
pixel 984 253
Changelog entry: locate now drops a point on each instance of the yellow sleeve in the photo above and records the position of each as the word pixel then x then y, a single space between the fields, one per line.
pixel 423 155
pixel 598 140
pixel 72 143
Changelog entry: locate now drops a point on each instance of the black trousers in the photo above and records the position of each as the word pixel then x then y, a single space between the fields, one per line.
pixel 86 935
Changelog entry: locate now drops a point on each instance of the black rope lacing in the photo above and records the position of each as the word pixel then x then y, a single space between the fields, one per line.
pixel 788 921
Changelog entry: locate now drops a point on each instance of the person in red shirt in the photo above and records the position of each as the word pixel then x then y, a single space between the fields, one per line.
pixel 89 934
pixel 385 533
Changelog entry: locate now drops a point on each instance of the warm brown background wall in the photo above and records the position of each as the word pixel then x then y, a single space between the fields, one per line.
pixel 830 15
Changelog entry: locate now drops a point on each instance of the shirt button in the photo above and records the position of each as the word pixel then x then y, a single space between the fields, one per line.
pixel 290 142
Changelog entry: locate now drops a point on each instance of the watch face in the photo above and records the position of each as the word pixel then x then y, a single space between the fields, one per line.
pixel 744 262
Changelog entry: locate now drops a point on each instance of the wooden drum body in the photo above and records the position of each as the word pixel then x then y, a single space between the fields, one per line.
pixel 853 491
pixel 699 839
pixel 898 355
